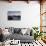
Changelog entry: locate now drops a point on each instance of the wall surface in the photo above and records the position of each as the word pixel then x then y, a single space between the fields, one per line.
pixel 30 14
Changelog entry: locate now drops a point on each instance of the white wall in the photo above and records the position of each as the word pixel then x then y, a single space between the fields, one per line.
pixel 30 14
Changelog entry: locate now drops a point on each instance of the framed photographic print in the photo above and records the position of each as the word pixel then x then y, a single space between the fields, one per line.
pixel 14 15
